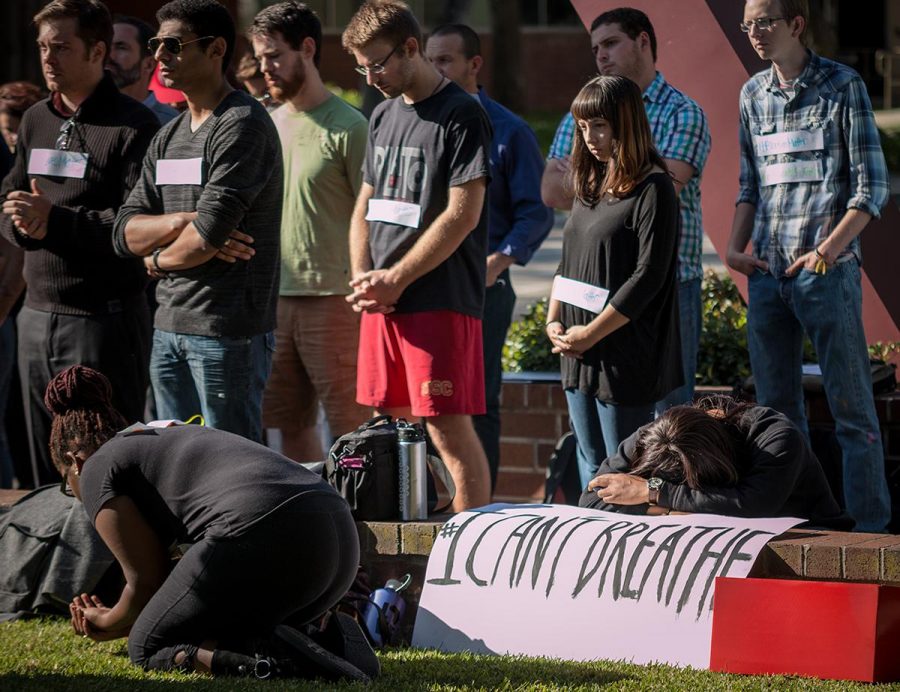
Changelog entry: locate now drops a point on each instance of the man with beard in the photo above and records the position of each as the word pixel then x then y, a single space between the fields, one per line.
pixel 323 143
pixel 205 216
pixel 418 240
pixel 78 155
pixel 131 65
pixel 624 44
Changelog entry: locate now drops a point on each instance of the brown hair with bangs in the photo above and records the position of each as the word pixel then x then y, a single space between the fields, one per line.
pixel 618 101
pixel 388 20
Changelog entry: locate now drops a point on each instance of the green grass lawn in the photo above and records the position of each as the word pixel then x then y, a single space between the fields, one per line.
pixel 44 656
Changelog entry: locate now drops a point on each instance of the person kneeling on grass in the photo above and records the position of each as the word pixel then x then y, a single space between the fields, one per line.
pixel 269 541
pixel 719 456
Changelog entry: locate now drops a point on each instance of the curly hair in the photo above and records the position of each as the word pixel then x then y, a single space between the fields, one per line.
pixel 80 400
pixel 18 97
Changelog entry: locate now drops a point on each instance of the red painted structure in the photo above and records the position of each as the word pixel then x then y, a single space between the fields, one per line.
pixel 703 53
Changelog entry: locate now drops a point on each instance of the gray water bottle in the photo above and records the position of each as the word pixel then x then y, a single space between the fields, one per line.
pixel 413 470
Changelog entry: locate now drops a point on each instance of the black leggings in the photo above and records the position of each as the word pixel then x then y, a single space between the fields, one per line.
pixel 297 561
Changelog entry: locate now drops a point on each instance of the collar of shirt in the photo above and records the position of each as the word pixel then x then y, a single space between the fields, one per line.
pixel 810 74
pixel 95 104
pixel 653 91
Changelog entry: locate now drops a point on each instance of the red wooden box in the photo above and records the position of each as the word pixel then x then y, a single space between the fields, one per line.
pixel 832 630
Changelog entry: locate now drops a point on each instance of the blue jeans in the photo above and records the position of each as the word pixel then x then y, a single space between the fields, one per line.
pixel 221 378
pixel 690 318
pixel 600 427
pixel 829 309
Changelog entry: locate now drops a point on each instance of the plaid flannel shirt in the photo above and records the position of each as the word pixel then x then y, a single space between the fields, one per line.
pixel 680 133
pixel 793 218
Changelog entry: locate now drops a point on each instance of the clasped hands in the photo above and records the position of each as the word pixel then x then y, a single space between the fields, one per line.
pixel 89 619
pixel 29 211
pixel 374 291
pixel 571 342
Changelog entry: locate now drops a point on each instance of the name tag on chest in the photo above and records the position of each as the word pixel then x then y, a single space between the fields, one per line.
pixel 179 171
pixel 791 172
pixel 54 162
pixel 392 211
pixel 579 294
pixel 789 142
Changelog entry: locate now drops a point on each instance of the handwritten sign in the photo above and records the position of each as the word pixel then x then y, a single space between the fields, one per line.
pixel 580 584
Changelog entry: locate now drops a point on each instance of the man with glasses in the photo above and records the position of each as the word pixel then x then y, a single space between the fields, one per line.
pixel 323 141
pixel 79 154
pixel 206 216
pixel 518 221
pixel 131 64
pixel 812 177
pixel 418 241
pixel 624 44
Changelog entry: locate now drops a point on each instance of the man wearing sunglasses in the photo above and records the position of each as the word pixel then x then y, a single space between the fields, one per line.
pixel 812 177
pixel 205 216
pixel 78 156
pixel 418 242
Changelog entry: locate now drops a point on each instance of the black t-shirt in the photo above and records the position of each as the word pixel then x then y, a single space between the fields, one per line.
pixel 191 482
pixel 627 246
pixel 778 476
pixel 416 153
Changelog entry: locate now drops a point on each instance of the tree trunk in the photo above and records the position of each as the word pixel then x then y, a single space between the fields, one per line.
pixel 506 63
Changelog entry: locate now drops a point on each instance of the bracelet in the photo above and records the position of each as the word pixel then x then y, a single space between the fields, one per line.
pixel 156 266
pixel 818 254
pixel 554 322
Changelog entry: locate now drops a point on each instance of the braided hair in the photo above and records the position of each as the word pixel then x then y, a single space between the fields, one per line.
pixel 80 400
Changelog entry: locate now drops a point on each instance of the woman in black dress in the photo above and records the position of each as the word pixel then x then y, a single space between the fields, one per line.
pixel 621 350
pixel 261 540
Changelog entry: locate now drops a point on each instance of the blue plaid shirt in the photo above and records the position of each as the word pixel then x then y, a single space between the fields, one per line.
pixel 793 218
pixel 680 133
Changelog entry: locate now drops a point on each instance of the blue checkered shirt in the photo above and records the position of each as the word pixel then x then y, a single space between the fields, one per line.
pixel 680 133
pixel 793 218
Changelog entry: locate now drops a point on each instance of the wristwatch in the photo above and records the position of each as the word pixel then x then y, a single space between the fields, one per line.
pixel 653 486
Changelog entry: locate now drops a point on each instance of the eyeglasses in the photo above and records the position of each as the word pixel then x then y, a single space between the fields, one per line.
pixel 172 44
pixel 376 67
pixel 62 141
pixel 64 486
pixel 763 24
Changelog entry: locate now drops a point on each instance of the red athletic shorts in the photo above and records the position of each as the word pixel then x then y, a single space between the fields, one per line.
pixel 432 362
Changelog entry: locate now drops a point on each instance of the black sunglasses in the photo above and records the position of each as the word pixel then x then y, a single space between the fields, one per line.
pixel 65 130
pixel 172 44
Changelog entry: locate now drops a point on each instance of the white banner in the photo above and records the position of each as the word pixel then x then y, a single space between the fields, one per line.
pixel 580 584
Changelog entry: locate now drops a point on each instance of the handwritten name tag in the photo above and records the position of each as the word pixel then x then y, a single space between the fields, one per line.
pixel 579 294
pixel 64 164
pixel 392 211
pixel 791 172
pixel 789 142
pixel 179 172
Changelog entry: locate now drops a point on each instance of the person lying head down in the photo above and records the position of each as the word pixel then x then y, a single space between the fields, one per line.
pixel 719 456
pixel 260 542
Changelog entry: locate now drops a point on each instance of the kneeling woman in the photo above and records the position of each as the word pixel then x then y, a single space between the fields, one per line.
pixel 623 355
pixel 717 457
pixel 269 540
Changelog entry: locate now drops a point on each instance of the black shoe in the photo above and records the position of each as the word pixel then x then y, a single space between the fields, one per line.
pixel 308 659
pixel 344 637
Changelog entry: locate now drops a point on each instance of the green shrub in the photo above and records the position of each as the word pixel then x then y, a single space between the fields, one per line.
pixel 723 358
pixel 527 348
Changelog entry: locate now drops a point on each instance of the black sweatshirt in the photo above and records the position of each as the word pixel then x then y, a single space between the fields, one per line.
pixel 778 476
pixel 73 270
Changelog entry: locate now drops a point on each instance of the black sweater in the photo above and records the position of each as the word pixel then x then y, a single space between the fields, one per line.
pixel 779 476
pixel 73 270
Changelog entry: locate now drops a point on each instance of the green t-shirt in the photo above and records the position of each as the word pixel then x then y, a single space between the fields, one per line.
pixel 323 151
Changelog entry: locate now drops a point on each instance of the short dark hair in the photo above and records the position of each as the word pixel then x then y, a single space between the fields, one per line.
pixel 390 20
pixel 792 9
pixel 295 21
pixel 632 23
pixel 471 42
pixel 204 18
pixel 94 20
pixel 144 31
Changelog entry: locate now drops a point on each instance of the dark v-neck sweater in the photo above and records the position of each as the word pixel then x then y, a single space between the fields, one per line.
pixel 74 270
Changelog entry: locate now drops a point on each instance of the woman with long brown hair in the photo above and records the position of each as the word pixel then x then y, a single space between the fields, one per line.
pixel 613 314
pixel 260 540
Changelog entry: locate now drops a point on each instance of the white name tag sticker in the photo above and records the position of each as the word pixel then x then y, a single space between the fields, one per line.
pixel 791 172
pixel 579 294
pixel 789 142
pixel 179 172
pixel 392 211
pixel 63 164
